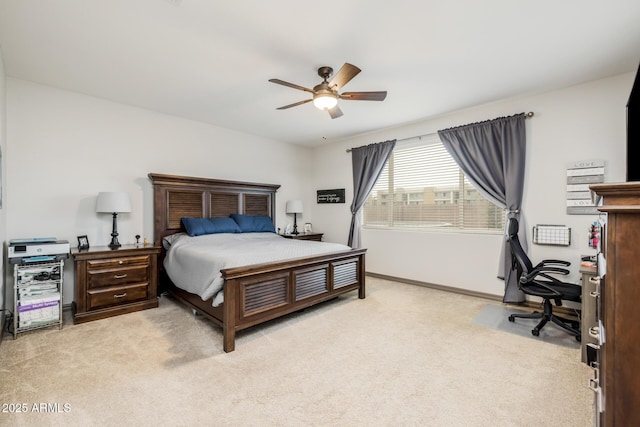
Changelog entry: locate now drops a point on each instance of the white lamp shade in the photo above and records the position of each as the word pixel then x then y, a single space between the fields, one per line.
pixel 294 206
pixel 115 201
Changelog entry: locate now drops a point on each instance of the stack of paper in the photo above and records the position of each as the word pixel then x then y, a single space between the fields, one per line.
pixel 43 307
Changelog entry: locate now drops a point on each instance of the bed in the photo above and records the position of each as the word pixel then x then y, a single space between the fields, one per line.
pixel 256 293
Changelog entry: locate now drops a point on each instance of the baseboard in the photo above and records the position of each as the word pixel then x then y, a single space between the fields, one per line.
pixel 438 287
pixel 535 305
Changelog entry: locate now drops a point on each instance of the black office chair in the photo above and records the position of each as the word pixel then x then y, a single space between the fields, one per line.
pixel 536 281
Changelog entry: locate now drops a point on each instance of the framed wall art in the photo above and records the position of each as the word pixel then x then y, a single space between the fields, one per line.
pixel 331 196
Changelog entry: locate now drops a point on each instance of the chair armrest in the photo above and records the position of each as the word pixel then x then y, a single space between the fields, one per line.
pixel 543 269
pixel 555 261
pixel 552 293
pixel 552 266
pixel 551 278
pixel 557 270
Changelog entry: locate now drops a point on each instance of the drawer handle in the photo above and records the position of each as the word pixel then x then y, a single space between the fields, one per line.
pixel 120 295
pixel 594 332
pixel 120 276
pixel 594 294
pixel 120 262
pixel 595 279
pixel 594 384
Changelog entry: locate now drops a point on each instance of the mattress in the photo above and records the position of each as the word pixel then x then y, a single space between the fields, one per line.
pixel 194 263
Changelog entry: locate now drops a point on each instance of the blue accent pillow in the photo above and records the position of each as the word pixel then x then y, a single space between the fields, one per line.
pixel 201 226
pixel 254 223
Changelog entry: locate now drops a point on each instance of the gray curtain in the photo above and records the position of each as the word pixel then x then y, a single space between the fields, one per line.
pixel 492 156
pixel 368 162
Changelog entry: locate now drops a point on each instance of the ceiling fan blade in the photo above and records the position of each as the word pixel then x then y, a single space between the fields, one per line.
pixel 295 104
pixel 335 112
pixel 283 83
pixel 364 96
pixel 344 76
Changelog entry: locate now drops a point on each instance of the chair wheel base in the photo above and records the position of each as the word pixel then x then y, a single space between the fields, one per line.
pixel 535 332
pixel 512 319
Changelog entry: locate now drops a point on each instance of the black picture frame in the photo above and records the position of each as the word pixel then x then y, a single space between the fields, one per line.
pixel 331 196
pixel 83 242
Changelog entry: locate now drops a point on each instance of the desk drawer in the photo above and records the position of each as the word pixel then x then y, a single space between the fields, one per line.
pixel 115 295
pixel 117 277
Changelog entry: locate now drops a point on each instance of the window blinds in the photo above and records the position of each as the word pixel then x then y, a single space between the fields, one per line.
pixel 422 187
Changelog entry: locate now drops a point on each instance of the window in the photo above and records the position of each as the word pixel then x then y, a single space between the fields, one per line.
pixel 422 187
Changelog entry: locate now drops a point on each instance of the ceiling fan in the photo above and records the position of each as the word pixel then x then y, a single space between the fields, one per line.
pixel 326 94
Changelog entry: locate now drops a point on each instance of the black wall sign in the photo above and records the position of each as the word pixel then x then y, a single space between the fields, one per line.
pixel 331 196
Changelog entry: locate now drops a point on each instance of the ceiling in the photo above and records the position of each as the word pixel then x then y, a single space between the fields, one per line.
pixel 210 61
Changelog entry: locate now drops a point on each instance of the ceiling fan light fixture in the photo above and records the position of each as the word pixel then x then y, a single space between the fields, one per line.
pixel 324 100
pixel 326 94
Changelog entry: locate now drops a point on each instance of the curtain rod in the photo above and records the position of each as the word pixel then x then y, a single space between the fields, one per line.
pixel 526 116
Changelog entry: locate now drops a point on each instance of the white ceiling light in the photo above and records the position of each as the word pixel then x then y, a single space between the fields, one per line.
pixel 325 101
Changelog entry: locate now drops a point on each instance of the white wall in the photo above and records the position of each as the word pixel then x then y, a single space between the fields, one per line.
pixel 63 148
pixel 576 123
pixel 3 146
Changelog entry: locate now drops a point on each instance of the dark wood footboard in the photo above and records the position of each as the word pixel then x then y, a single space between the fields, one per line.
pixel 259 293
pixel 263 292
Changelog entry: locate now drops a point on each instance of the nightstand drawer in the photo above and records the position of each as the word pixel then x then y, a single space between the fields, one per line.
pixel 116 295
pixel 95 264
pixel 117 276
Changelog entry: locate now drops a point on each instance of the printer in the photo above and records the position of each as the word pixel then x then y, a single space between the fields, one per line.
pixel 37 249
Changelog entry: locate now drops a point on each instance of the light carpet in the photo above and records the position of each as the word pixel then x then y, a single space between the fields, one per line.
pixel 404 356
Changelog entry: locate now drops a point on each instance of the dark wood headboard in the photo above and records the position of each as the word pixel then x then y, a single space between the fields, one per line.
pixel 176 196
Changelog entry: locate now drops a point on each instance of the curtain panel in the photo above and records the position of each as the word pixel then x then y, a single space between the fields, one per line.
pixel 367 162
pixel 492 156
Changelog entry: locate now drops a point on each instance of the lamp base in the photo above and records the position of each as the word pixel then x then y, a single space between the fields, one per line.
pixel 295 225
pixel 114 234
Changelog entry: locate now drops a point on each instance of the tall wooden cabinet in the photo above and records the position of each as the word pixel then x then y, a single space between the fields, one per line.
pixel 617 372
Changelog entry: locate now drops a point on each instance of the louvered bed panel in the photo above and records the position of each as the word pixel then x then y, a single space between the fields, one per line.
pixel 345 274
pixel 310 283
pixel 256 204
pixel 223 204
pixel 183 204
pixel 264 295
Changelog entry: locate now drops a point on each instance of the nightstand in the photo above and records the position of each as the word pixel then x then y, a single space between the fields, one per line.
pixel 316 237
pixel 109 282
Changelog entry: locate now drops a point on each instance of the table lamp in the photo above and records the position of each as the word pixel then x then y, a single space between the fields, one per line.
pixel 113 203
pixel 294 207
